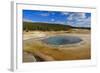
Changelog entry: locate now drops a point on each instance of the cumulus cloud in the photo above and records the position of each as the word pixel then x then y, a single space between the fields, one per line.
pixel 79 19
pixel 85 22
pixel 76 16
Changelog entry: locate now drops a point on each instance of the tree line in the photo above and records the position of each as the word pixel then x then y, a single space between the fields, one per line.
pixel 30 26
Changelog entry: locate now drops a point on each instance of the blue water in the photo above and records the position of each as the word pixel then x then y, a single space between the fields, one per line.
pixel 62 40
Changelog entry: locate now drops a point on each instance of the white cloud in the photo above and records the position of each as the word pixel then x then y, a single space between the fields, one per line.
pixel 44 14
pixel 27 20
pixel 70 17
pixel 52 19
pixel 86 22
pixel 79 19
pixel 65 13
pixel 76 16
pixel 83 15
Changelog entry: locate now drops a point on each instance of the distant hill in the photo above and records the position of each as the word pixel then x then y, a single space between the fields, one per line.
pixel 47 26
pixel 82 28
pixel 44 26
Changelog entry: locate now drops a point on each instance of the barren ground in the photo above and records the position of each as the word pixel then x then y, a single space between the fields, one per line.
pixel 44 52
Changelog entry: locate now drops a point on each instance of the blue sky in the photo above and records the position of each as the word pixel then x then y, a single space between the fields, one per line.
pixel 78 19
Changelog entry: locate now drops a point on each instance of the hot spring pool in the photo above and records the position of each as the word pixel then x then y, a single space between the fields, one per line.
pixel 62 40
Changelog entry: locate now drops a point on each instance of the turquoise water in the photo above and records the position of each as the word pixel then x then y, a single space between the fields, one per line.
pixel 62 40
